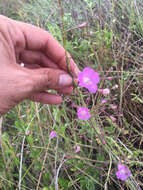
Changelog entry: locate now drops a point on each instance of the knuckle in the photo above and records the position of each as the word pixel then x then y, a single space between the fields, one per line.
pixel 44 79
pixel 41 80
pixel 48 78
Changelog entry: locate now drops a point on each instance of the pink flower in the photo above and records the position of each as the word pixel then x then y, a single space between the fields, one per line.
pixel 103 101
pixel 123 172
pixel 141 54
pixel 89 79
pixel 52 135
pixel 27 132
pixel 77 149
pixel 105 91
pixel 83 113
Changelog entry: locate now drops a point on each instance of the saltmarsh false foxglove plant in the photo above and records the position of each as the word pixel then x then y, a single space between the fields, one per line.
pixel 89 79
pixel 83 113
pixel 52 134
pixel 123 172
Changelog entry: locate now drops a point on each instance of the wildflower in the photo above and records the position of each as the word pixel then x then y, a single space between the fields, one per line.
pixel 83 113
pixel 103 101
pixel 141 54
pixel 105 91
pixel 52 135
pixel 27 132
pixel 89 79
pixel 123 172
pixel 77 149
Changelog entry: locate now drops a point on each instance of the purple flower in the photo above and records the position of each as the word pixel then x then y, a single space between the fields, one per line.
pixel 52 135
pixel 103 101
pixel 123 172
pixel 77 149
pixel 83 113
pixel 89 79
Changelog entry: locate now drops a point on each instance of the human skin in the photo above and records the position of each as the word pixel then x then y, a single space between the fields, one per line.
pixel 44 68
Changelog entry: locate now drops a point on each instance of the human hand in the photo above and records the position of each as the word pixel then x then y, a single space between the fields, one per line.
pixel 44 65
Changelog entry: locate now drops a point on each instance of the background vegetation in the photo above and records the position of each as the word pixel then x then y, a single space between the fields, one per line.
pixel 110 41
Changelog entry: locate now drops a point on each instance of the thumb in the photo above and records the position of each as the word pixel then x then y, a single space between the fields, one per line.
pixel 47 78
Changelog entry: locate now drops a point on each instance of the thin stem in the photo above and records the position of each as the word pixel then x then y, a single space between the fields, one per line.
pixel 44 161
pixel 58 170
pixel 22 149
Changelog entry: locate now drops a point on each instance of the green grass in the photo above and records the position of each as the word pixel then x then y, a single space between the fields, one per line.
pixel 111 44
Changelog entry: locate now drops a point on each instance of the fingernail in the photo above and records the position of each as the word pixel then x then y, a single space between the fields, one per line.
pixel 65 80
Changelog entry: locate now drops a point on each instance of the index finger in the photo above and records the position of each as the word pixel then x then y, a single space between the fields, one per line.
pixel 38 39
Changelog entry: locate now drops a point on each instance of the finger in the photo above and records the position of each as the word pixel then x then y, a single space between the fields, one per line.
pixel 40 40
pixel 66 90
pixel 46 98
pixel 31 66
pixel 44 79
pixel 35 57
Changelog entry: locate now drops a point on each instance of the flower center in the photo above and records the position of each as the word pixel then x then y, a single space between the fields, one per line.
pixel 87 80
pixel 83 112
pixel 123 171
